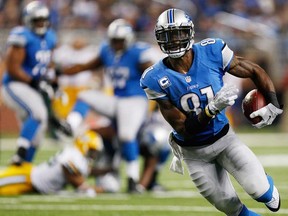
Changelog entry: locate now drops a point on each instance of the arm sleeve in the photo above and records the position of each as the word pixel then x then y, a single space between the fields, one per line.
pixel 151 86
pixel 227 55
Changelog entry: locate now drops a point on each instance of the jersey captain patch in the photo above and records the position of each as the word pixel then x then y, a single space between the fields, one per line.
pixel 164 82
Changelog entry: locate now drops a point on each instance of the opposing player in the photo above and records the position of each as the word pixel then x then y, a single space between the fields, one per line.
pixel 124 61
pixel 27 59
pixel 71 166
pixel 189 90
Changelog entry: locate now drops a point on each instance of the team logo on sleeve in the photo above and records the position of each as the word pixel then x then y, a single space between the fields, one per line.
pixel 164 82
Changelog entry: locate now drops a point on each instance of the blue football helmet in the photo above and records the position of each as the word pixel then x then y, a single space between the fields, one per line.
pixel 174 32
pixel 36 11
pixel 121 29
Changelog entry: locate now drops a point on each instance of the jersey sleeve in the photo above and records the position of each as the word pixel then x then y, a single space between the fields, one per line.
pixel 103 50
pixel 54 38
pixel 151 86
pixel 227 56
pixel 217 52
pixel 17 37
pixel 74 162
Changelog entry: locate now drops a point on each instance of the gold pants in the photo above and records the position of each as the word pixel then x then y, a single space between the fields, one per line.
pixel 15 180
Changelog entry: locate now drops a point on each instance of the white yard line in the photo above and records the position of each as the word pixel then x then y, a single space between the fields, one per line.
pixel 78 207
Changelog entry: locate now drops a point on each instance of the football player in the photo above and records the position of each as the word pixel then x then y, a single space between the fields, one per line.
pixel 188 88
pixel 155 150
pixel 124 60
pixel 71 166
pixel 28 57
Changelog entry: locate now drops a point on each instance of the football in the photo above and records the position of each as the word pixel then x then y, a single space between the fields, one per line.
pixel 253 101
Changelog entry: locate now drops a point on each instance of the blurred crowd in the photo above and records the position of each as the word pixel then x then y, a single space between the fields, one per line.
pixel 206 14
pixel 256 29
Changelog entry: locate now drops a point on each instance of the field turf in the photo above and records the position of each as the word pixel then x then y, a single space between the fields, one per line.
pixel 181 197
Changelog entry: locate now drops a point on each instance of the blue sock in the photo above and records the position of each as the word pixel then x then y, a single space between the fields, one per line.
pixel 130 150
pixel 81 107
pixel 163 155
pixel 246 212
pixel 266 197
pixel 29 128
pixel 30 153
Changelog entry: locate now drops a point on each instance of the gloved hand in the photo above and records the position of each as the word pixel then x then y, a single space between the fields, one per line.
pixel 268 114
pixel 34 83
pixel 225 97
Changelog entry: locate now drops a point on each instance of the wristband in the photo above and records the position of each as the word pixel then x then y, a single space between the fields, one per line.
pixel 272 98
pixel 208 112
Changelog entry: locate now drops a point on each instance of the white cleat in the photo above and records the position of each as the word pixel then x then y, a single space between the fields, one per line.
pixel 274 204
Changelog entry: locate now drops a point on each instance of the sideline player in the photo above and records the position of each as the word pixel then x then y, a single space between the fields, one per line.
pixel 124 60
pixel 188 88
pixel 27 60
pixel 70 166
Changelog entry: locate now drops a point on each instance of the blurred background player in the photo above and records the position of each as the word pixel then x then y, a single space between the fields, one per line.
pixel 124 61
pixel 70 166
pixel 154 149
pixel 75 50
pixel 29 51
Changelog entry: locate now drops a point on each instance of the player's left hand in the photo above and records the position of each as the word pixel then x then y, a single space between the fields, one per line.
pixel 268 114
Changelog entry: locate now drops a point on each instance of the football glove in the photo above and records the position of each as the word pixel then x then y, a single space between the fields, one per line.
pixel 225 97
pixel 268 114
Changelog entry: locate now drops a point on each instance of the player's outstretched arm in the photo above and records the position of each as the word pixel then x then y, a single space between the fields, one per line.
pixel 77 68
pixel 244 68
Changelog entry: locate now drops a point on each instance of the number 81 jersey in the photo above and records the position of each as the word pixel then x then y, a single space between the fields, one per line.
pixel 195 89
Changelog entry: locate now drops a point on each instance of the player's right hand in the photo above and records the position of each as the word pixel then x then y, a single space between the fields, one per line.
pixel 268 114
pixel 225 97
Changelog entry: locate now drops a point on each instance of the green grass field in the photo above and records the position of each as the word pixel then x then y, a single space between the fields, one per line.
pixel 181 198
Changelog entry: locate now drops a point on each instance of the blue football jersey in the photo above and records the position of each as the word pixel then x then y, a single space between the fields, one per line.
pixel 124 68
pixel 195 89
pixel 38 50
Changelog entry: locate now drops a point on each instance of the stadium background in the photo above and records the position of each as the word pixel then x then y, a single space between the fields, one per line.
pixel 256 29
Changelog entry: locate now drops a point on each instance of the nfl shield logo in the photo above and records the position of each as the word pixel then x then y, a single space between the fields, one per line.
pixel 188 79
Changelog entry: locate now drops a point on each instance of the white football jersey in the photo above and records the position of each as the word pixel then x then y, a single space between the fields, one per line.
pixel 49 177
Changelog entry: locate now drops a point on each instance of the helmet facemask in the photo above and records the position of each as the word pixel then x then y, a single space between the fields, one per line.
pixel 175 41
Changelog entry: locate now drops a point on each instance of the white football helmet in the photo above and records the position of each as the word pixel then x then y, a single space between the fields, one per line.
pixel 121 29
pixel 34 11
pixel 174 32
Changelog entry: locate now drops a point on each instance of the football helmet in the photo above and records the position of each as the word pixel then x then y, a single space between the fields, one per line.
pixel 174 32
pixel 121 29
pixel 154 137
pixel 89 140
pixel 36 11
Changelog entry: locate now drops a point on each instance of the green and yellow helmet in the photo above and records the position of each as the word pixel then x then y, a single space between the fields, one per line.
pixel 90 140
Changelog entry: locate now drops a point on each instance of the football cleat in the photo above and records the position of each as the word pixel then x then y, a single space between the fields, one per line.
pixel 274 204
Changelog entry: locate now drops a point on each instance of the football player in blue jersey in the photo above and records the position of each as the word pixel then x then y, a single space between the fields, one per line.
pixel 192 97
pixel 29 50
pixel 124 60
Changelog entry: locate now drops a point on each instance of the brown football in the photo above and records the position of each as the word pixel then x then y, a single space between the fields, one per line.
pixel 253 101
